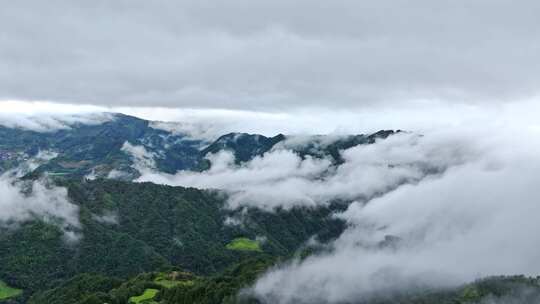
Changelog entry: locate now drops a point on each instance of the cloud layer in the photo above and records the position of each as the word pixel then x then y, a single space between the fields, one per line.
pixel 281 178
pixel 49 122
pixel 268 55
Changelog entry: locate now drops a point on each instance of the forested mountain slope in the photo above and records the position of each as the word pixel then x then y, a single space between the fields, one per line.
pixel 130 228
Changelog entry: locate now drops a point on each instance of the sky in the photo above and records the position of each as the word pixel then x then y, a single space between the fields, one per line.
pixel 270 56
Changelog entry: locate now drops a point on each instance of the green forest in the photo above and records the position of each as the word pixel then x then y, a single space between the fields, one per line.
pixel 155 228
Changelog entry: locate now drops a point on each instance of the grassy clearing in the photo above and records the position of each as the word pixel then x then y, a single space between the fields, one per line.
pixel 176 278
pixel 7 292
pixel 146 297
pixel 171 284
pixel 244 244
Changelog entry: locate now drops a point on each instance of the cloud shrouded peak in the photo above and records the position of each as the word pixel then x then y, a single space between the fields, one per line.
pixel 268 55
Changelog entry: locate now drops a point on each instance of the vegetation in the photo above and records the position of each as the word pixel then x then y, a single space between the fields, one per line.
pixel 147 297
pixel 159 228
pixel 244 146
pixel 175 278
pixel 97 148
pixel 221 288
pixel 7 292
pixel 244 244
pixel 229 287
pixel 218 288
pixel 76 289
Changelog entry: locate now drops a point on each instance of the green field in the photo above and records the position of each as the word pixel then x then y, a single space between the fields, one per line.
pixel 7 292
pixel 244 244
pixel 184 279
pixel 171 284
pixel 146 297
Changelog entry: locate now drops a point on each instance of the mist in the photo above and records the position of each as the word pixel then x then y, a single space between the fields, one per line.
pixel 282 179
pixel 50 122
pixel 26 201
pixel 476 219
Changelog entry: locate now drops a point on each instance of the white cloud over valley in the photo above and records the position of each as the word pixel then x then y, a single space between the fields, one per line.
pixel 281 178
pixel 474 220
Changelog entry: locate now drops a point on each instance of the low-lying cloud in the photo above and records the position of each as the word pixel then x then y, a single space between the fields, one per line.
pixel 21 202
pixel 52 122
pixel 281 178
pixel 476 219
pixel 142 158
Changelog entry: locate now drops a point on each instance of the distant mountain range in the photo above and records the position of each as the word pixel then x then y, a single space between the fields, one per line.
pixel 105 149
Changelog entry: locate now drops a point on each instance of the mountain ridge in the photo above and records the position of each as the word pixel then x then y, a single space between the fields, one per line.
pixel 97 150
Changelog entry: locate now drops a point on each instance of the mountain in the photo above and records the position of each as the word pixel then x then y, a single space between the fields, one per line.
pixel 148 243
pixel 110 149
pixel 244 146
pixel 131 228
pixel 179 245
pixel 96 149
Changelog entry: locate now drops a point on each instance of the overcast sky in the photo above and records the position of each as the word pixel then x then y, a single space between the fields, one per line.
pixel 269 56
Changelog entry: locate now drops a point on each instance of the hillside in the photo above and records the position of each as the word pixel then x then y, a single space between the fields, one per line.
pixel 96 149
pixel 130 228
pixel 232 287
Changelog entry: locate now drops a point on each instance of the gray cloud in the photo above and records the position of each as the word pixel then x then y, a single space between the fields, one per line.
pixel 269 55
